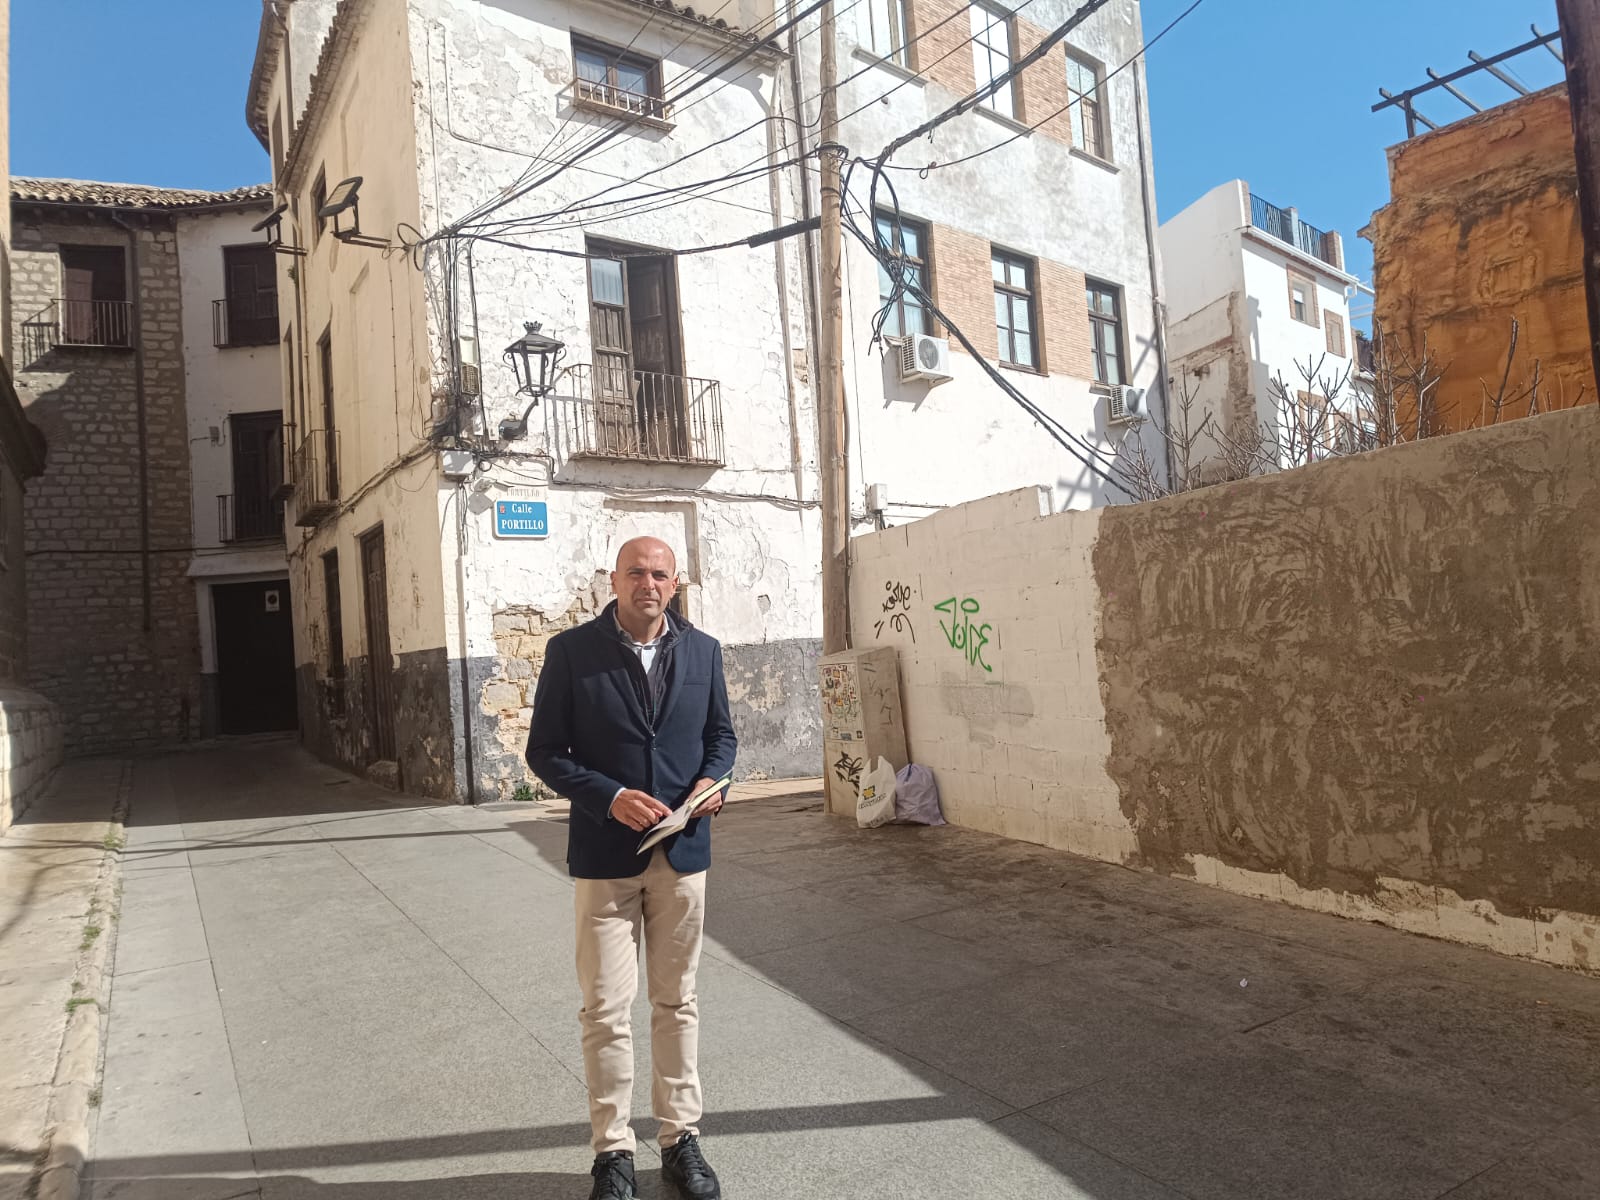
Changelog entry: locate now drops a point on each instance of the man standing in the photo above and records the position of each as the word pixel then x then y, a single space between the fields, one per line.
pixel 630 720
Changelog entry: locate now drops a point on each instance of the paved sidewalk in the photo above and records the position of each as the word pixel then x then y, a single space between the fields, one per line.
pixel 322 993
pixel 50 864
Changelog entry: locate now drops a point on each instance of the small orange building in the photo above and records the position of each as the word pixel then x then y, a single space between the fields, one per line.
pixel 1482 227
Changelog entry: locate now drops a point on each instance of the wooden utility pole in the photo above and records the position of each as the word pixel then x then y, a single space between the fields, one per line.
pixel 830 377
pixel 1580 44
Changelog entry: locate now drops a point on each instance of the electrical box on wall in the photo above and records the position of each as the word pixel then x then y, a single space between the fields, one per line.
pixel 861 721
pixel 457 464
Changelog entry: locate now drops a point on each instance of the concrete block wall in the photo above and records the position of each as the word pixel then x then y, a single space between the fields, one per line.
pixel 992 606
pixel 30 750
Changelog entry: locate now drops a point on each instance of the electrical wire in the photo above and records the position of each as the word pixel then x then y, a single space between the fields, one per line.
pixel 1073 103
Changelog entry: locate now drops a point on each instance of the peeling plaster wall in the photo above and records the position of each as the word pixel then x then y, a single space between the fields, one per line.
pixel 1039 197
pixel 1370 686
pixel 492 82
pixel 1482 227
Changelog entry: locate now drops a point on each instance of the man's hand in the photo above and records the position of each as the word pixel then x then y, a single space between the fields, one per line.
pixel 638 810
pixel 713 805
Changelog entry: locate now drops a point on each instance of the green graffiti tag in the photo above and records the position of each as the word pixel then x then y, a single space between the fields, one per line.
pixel 963 632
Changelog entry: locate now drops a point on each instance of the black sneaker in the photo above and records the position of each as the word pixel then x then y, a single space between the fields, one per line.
pixel 613 1176
pixel 686 1167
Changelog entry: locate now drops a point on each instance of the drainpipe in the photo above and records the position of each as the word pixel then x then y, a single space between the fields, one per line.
pixel 1157 306
pixel 142 421
pixel 466 657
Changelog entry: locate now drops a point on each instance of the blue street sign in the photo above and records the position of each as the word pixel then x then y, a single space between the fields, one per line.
pixel 521 519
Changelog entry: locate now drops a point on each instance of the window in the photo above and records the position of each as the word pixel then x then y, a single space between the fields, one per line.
pixel 1303 298
pixel 319 197
pixel 1335 324
pixel 886 32
pixel 1088 114
pixel 94 297
pixel 616 80
pixel 335 613
pixel 1105 330
pixel 277 142
pixel 906 315
pixel 991 55
pixel 329 478
pixel 250 275
pixel 1013 308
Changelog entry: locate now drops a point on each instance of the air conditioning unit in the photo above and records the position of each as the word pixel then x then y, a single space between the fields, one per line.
pixel 471 371
pixel 1124 404
pixel 926 358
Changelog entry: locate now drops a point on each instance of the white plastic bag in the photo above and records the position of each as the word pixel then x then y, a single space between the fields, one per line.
pixel 916 796
pixel 875 796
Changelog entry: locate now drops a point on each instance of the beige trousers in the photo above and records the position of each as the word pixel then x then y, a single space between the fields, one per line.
pixel 670 909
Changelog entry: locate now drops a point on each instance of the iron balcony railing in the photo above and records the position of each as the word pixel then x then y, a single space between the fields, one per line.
pixel 316 476
pixel 65 322
pixel 244 321
pixel 607 410
pixel 597 93
pixel 248 518
pixel 1287 227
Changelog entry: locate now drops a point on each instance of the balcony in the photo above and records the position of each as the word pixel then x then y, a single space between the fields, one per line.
pixel 244 321
pixel 597 95
pixel 88 323
pixel 611 412
pixel 316 477
pixel 1284 225
pixel 1366 360
pixel 255 518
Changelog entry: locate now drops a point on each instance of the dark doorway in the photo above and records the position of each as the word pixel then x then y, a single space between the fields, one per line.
pixel 380 664
pixel 252 299
pixel 255 657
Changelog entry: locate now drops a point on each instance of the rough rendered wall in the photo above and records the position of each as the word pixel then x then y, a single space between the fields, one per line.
pixel 118 686
pixel 1369 686
pixel 1482 227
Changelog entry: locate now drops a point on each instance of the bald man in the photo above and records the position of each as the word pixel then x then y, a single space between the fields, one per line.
pixel 630 720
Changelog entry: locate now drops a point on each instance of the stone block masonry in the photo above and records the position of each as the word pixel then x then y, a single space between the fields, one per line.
pixel 121 683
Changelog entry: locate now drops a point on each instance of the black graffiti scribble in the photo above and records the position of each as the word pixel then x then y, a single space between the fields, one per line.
pixel 897 610
pixel 848 770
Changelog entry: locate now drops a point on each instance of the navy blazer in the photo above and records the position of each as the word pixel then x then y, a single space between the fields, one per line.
pixel 591 736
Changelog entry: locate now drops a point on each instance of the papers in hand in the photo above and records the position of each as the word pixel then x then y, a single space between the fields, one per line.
pixel 668 826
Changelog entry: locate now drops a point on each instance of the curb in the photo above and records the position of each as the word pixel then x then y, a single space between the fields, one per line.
pixel 78 1067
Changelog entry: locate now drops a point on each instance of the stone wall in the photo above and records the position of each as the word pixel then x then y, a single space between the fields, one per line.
pixel 1482 228
pixel 30 750
pixel 1370 686
pixel 121 680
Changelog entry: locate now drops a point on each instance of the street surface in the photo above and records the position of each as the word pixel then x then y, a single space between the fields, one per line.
pixel 324 991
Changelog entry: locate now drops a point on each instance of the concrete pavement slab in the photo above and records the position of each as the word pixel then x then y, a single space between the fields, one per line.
pixel 397 989
pixel 1243 1118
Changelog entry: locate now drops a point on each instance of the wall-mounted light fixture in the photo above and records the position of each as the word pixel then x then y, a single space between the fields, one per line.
pixel 345 199
pixel 272 226
pixel 535 358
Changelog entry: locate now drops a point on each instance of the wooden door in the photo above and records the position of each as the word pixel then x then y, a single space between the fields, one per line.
pixel 94 289
pixel 613 370
pixel 257 472
pixel 653 321
pixel 255 657
pixel 380 662
pixel 252 283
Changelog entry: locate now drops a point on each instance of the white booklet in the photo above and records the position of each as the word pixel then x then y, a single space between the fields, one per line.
pixel 668 826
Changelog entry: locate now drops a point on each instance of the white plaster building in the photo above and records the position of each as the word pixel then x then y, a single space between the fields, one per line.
pixel 493 140
pixel 233 394
pixel 1255 295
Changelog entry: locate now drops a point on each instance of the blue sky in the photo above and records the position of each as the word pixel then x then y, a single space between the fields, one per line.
pixel 1276 92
